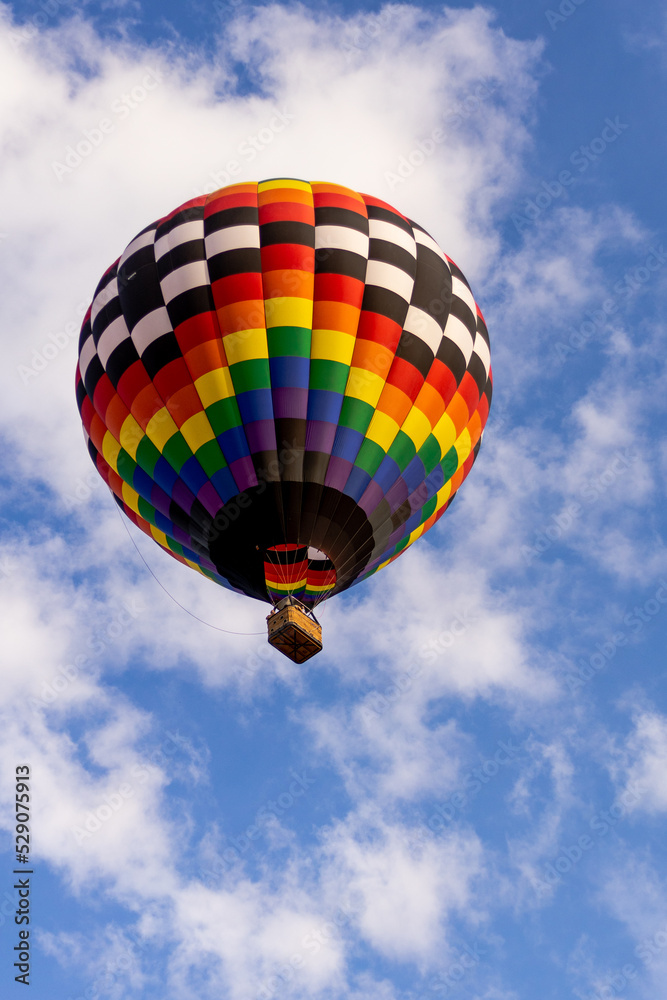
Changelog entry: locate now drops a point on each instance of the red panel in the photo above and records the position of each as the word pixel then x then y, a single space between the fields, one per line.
pixel 281 256
pixel 405 377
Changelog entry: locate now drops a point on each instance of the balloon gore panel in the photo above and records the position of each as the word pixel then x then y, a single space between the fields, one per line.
pixel 284 384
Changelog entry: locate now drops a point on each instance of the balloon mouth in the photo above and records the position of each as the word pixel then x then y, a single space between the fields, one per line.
pixel 300 571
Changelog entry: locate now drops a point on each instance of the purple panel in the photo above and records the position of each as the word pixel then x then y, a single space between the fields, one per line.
pixel 320 436
pixel 243 472
pixel 160 500
pixel 182 496
pixel 261 435
pixel 371 498
pixel 337 473
pixel 397 494
pixel 290 403
pixel 182 537
pixel 209 498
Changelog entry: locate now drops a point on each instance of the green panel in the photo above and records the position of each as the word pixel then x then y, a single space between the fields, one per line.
pixel 289 341
pixel 402 450
pixel 177 451
pixel 450 463
pixel 210 458
pixel 175 546
pixel 369 457
pixel 147 456
pixel 356 414
pixel 329 375
pixel 429 508
pixel 224 415
pixel 146 510
pixel 429 453
pixel 125 466
pixel 248 375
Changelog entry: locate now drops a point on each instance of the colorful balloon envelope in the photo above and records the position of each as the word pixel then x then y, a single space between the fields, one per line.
pixel 284 384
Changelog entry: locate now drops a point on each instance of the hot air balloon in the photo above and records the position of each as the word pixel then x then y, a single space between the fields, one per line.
pixel 284 384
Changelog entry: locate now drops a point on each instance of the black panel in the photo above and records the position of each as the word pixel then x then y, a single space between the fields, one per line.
pixel 140 295
pixel 413 350
pixel 190 303
pixel 384 215
pixel 329 215
pixel 247 260
pixel 332 260
pixel 183 253
pixel 389 253
pixel 241 215
pixel 386 303
pixel 301 233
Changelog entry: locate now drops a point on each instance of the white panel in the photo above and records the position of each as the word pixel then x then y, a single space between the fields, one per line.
pixel 146 239
pixel 191 275
pixel 461 289
pixel 458 332
pixel 150 327
pixel 428 241
pixel 86 355
pixel 378 229
pixel 233 238
pixel 483 351
pixel 103 298
pixel 388 276
pixel 423 326
pixel 341 238
pixel 114 335
pixel 187 231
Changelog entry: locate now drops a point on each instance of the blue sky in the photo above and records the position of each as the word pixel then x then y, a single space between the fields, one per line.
pixel 464 795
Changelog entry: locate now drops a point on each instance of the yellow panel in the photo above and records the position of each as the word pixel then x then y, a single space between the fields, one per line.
pixel 443 495
pixel 197 431
pixel 332 345
pixel 463 446
pixel 364 385
pixel 445 433
pixel 159 537
pixel 417 426
pixel 160 428
pixel 131 498
pixel 110 450
pixel 283 182
pixel 214 385
pixel 131 435
pixel 246 345
pixel 382 429
pixel 289 310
